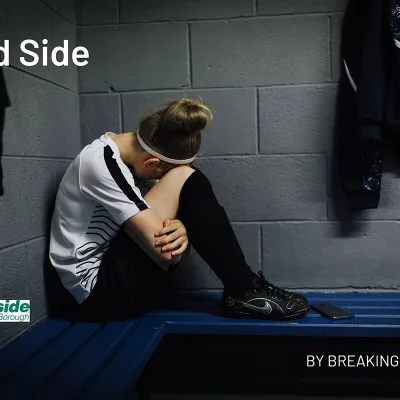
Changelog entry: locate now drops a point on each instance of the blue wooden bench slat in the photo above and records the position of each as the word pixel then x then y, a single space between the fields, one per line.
pixel 353 296
pixel 365 312
pixel 359 310
pixel 364 302
pixel 359 314
pixel 28 344
pixel 375 307
pixel 215 296
pixel 121 373
pixel 309 319
pixel 206 301
pixel 32 374
pixel 73 377
pixel 325 329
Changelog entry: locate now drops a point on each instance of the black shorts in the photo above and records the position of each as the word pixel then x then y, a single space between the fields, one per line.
pixel 129 282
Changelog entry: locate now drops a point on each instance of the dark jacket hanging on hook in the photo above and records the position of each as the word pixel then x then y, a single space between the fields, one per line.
pixel 4 103
pixel 369 96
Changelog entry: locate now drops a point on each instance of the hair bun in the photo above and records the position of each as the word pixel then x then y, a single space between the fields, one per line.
pixel 185 115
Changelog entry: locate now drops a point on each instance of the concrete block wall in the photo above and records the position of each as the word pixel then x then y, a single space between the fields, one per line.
pixel 269 71
pixel 41 137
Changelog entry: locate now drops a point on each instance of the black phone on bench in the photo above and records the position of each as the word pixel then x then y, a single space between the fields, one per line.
pixel 331 311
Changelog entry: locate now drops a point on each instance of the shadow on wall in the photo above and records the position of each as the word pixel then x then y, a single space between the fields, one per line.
pixel 4 103
pixel 58 300
pixel 2 120
pixel 47 274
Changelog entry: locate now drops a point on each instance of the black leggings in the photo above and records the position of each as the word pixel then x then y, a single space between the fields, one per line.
pixel 130 282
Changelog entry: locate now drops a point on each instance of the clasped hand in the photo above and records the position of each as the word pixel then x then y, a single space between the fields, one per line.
pixel 172 237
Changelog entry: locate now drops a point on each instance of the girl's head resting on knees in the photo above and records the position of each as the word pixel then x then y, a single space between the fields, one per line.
pixel 172 132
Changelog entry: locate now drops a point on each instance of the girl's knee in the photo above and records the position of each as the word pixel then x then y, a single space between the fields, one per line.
pixel 181 172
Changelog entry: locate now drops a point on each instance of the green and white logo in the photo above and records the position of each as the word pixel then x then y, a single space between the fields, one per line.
pixel 15 310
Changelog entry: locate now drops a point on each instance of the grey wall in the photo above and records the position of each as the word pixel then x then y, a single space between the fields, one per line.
pixel 269 71
pixel 267 68
pixel 41 137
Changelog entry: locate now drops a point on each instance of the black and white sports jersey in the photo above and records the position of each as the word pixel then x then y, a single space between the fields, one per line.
pixel 96 195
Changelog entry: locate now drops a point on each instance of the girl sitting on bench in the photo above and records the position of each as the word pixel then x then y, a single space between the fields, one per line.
pixel 112 246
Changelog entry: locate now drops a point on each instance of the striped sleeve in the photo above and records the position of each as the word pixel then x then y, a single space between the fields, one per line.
pixel 105 181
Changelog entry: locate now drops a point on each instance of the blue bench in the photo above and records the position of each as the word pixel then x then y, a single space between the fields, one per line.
pixel 59 360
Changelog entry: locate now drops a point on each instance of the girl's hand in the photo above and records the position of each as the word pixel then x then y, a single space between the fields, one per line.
pixel 172 237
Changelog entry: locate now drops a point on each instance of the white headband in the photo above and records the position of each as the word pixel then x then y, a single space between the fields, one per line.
pixel 160 156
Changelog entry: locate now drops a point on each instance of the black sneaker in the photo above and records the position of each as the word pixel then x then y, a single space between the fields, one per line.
pixel 290 295
pixel 264 301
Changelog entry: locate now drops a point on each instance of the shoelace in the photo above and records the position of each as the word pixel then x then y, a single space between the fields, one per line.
pixel 263 284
